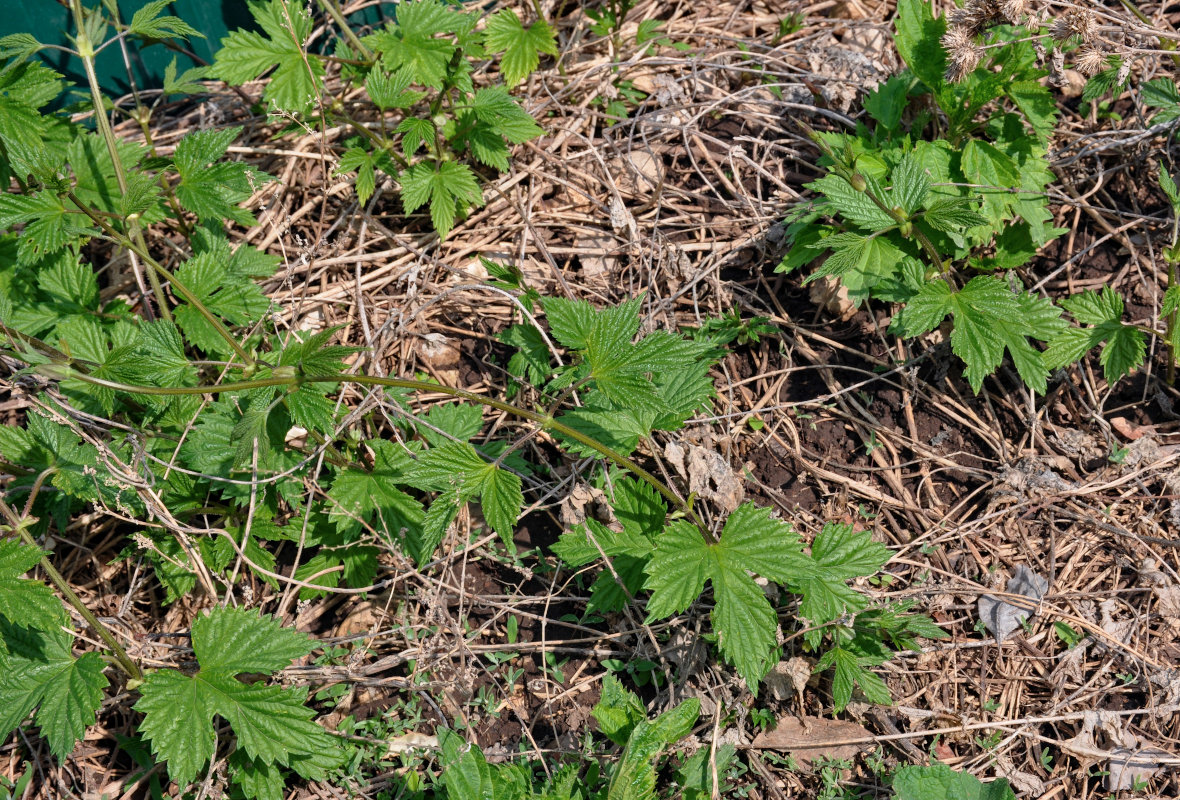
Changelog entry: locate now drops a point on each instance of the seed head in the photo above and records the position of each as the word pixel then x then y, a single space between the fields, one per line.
pixel 975 16
pixel 962 53
pixel 1013 10
pixel 1089 60
pixel 1073 23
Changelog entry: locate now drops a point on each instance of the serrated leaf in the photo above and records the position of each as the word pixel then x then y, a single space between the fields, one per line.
pixel 1125 345
pixel 746 624
pixel 743 618
pixel 618 710
pixel 887 102
pixel 911 184
pixel 17 47
pixel 210 188
pixel 570 321
pixel 25 602
pixel 185 82
pixel 839 553
pixel 530 362
pixel 952 215
pixel 449 187
pixel 391 91
pixel 501 499
pixel 634 778
pixel 456 421
pixel 677 571
pixel 412 44
pixel 357 495
pixel 1169 187
pixel 148 22
pixel 40 672
pixel 854 206
pixel 272 724
pixel 521 46
pixel 1037 105
pixel 245 55
pixel 917 40
pixel 235 640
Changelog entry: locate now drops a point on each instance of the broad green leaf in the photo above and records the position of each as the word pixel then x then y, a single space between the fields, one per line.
pixel 952 215
pixel 501 499
pixel 521 46
pixel 273 725
pixel 246 55
pixel 887 102
pixel 209 187
pixel 23 601
pixel 571 321
pixel 359 495
pixel 1036 103
pixel 449 187
pixel 677 571
pixel 459 421
pixel 940 782
pixel 465 772
pixel 861 262
pixel 917 40
pixel 235 640
pixel 745 623
pixel 413 44
pixel 177 721
pixel 911 184
pixel 1125 345
pixel 618 710
pixel 985 164
pixel 41 673
pixel 854 206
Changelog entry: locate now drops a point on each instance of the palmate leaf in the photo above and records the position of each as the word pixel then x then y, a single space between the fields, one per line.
pixel 223 284
pixel 743 618
pixel 1125 345
pixel 418 44
pixel 458 471
pixel 24 88
pixel 522 47
pixel 358 495
pixel 839 553
pixel 40 672
pixel 210 188
pixel 25 602
pixel 272 724
pixel 365 165
pixel 49 225
pixel 147 22
pixel 449 187
pixel 245 55
pixel 989 318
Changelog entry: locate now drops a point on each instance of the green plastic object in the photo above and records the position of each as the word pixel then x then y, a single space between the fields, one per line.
pixel 50 22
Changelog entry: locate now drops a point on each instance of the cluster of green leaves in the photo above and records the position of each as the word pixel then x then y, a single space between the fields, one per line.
pixel 942 225
pixel 668 557
pixel 272 725
pixel 39 673
pixel 418 72
pixel 466 774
